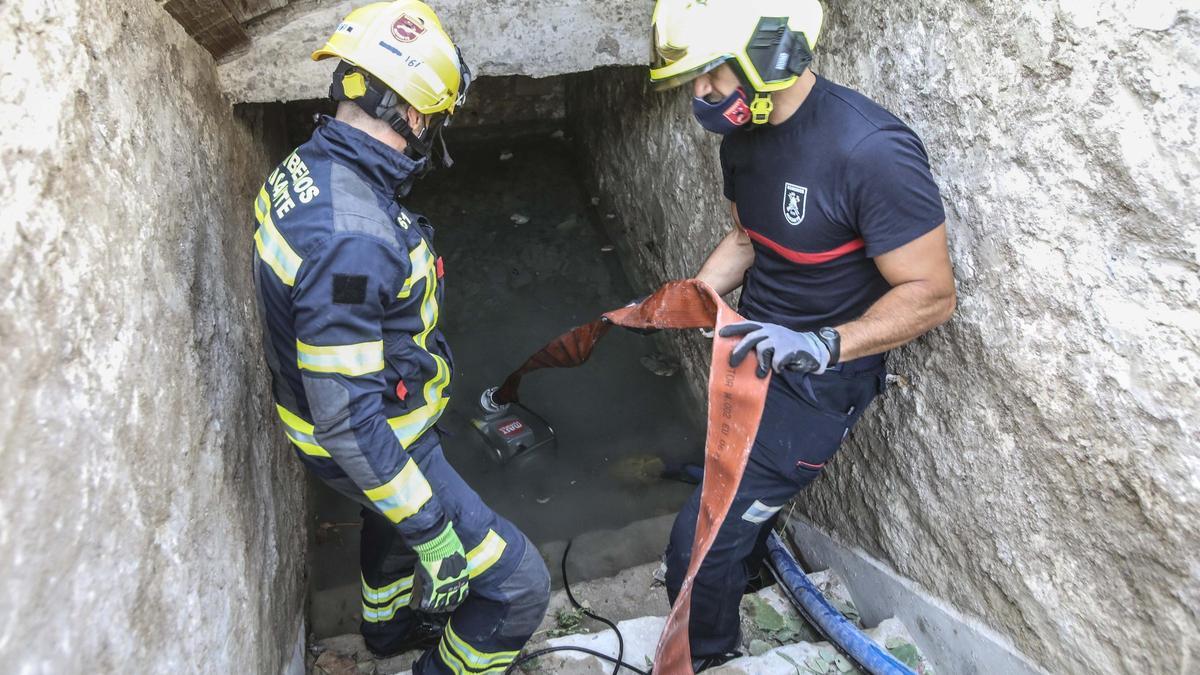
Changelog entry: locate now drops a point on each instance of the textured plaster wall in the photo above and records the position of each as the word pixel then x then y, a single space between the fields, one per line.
pixel 535 38
pixel 150 518
pixel 1038 464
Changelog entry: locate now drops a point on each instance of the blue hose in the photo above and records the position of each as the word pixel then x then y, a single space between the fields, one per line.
pixel 864 651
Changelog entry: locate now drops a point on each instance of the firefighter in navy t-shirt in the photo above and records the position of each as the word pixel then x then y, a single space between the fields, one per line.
pixel 838 244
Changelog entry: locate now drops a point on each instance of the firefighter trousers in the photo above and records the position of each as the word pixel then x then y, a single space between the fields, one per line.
pixel 509 586
pixel 805 419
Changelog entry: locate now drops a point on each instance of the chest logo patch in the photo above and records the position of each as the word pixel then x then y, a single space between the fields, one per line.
pixel 795 203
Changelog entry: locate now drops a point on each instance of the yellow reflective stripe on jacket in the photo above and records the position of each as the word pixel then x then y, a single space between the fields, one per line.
pixel 403 495
pixel 457 653
pixel 350 360
pixel 409 426
pixel 300 432
pixel 270 244
pixel 483 556
pixel 423 263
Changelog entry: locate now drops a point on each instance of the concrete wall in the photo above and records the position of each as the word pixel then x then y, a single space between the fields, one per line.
pixel 535 38
pixel 1038 465
pixel 150 518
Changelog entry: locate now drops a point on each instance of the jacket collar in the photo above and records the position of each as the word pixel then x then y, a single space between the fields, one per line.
pixel 386 169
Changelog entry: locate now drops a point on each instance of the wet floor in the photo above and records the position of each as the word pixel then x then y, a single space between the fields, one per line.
pixel 510 288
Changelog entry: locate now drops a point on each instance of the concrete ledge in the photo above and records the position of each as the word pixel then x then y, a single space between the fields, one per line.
pixel 953 642
pixel 537 38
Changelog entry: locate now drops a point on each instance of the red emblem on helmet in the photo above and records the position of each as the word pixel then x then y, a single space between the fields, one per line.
pixel 407 29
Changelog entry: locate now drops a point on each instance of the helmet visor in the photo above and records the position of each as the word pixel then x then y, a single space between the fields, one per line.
pixel 681 72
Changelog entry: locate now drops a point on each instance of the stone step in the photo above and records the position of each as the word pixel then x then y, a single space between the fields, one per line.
pixel 774 636
pixel 631 594
pixel 602 553
pixel 822 658
pixel 768 621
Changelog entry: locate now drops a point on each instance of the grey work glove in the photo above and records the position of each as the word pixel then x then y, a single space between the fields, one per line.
pixel 777 348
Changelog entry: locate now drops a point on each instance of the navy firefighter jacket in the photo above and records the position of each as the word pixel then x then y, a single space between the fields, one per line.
pixel 349 293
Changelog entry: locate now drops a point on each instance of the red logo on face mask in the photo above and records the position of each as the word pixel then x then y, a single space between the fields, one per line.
pixel 738 112
pixel 407 29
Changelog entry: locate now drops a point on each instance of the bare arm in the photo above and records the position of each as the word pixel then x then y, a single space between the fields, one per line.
pixel 922 298
pixel 727 264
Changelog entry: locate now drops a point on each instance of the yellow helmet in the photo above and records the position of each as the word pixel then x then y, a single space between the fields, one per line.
pixel 769 43
pixel 403 45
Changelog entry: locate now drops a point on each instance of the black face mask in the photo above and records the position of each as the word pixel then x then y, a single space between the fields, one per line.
pixel 725 117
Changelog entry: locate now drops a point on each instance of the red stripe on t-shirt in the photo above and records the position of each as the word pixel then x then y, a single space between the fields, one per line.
pixel 808 258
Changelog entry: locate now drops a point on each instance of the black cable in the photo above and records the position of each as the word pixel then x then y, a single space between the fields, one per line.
pixel 548 650
pixel 581 608
pixel 618 662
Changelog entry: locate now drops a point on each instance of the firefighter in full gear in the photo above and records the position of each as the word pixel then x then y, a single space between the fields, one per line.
pixel 838 244
pixel 350 290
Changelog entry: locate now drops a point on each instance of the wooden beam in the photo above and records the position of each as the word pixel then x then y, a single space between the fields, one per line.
pixel 209 22
pixel 248 10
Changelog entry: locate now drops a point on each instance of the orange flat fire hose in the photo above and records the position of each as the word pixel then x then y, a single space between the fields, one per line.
pixel 735 405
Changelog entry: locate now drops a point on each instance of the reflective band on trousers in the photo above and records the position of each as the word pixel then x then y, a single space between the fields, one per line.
pixel 483 556
pixel 270 244
pixel 300 432
pixel 398 594
pixel 354 360
pixel 403 495
pixel 461 657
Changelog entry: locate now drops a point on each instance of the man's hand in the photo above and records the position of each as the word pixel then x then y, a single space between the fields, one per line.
pixel 442 577
pixel 778 348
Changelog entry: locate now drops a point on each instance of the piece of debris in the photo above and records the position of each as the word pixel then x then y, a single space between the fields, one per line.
pixel 905 651
pixel 333 663
pixel 558 134
pixel 639 470
pixel 519 219
pixel 505 156
pixel 610 216
pixel 660 364
pixel 659 578
pixel 595 201
pixel 607 248
pixel 543 500
pixel 568 622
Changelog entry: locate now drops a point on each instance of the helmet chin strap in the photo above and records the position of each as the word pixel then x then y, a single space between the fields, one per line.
pixel 777 53
pixel 380 102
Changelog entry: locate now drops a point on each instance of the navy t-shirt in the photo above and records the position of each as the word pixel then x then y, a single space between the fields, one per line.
pixel 838 183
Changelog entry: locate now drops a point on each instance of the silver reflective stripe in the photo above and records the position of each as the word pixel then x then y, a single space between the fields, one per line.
pixel 760 512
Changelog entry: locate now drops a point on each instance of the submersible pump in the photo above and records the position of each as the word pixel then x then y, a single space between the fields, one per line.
pixel 511 430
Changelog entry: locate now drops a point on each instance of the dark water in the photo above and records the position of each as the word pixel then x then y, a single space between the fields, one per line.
pixel 509 289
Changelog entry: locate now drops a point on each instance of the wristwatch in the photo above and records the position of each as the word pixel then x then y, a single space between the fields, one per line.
pixel 833 342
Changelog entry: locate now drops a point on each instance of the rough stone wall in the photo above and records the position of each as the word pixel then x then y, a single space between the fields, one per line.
pixel 657 175
pixel 1038 464
pixel 150 518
